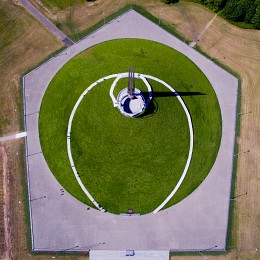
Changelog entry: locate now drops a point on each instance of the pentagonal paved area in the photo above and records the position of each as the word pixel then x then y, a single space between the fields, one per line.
pixel 62 223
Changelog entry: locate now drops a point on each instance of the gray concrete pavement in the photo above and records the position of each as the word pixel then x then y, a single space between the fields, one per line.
pixel 46 22
pixel 121 255
pixel 60 222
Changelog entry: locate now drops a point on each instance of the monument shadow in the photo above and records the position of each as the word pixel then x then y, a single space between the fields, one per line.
pixel 153 105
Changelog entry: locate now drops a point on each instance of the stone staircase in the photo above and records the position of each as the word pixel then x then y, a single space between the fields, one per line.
pixel 128 254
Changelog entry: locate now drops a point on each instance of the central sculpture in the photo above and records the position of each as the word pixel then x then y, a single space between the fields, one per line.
pixel 131 82
pixel 130 100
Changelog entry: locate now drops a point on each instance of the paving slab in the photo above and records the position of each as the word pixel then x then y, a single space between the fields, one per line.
pixel 122 255
pixel 62 223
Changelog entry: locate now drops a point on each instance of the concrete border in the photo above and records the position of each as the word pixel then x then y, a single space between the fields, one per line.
pixel 197 223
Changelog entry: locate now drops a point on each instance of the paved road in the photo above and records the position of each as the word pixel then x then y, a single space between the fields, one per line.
pixel 199 222
pixel 46 22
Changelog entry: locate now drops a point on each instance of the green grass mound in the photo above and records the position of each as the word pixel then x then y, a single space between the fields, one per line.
pixel 130 162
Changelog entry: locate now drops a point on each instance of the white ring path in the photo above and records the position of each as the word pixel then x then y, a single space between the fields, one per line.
pixel 143 77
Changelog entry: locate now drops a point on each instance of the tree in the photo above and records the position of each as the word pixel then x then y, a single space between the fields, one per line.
pixel 215 5
pixel 256 18
pixel 170 1
pixel 239 11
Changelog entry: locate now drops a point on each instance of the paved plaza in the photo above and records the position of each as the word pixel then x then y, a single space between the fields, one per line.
pixel 62 223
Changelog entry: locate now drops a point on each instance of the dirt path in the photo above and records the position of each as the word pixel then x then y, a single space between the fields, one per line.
pixel 6 198
pixel 204 30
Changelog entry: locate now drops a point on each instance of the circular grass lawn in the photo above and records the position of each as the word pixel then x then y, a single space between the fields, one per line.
pixel 130 163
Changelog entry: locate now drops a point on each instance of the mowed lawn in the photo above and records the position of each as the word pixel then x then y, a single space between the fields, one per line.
pixel 62 4
pixel 130 162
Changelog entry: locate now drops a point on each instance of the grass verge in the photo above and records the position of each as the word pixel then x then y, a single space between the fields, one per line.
pixel 231 227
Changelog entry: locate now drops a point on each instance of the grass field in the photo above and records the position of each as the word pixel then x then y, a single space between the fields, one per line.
pixel 61 3
pixel 79 16
pixel 124 161
pixel 23 44
pixel 19 34
pixel 2 197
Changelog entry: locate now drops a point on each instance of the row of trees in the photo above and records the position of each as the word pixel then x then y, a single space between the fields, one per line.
pixel 245 11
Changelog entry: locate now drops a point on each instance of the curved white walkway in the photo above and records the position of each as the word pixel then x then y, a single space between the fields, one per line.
pixel 73 167
pixel 120 76
pixel 191 142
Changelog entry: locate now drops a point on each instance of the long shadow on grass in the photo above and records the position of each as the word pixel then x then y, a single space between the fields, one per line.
pixel 174 94
pixel 153 105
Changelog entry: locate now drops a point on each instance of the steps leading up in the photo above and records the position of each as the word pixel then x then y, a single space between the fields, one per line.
pixel 122 255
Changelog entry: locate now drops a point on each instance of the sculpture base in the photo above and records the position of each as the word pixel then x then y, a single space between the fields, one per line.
pixel 131 106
